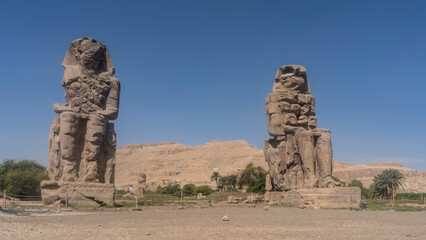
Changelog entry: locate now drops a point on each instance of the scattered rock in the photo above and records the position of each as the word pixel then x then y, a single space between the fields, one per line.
pixel 254 199
pixel 225 218
pixel 233 200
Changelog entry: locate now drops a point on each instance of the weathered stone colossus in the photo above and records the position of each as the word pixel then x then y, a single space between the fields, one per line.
pixel 82 141
pixel 141 185
pixel 299 155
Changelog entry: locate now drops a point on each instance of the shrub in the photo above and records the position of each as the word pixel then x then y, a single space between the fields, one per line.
pixel 232 190
pixel 22 177
pixel 203 189
pixel 188 189
pixel 358 183
pixel 412 196
pixel 339 181
pixel 170 189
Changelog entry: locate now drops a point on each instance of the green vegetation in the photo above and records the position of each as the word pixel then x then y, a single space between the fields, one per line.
pixel 384 205
pixel 188 189
pixel 358 183
pixel 339 181
pixel 384 183
pixel 215 177
pixel 170 189
pixel 203 189
pixel 228 182
pixel 22 177
pixel 254 178
pixel 418 197
pixel 158 199
pixel 149 199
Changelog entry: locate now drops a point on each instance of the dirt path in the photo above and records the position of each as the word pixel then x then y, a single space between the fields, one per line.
pixel 206 223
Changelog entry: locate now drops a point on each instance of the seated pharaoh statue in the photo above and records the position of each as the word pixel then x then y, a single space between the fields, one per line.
pixel 82 140
pixel 299 155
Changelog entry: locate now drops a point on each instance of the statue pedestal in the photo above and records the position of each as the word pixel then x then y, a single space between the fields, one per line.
pixel 272 197
pixel 78 194
pixel 339 197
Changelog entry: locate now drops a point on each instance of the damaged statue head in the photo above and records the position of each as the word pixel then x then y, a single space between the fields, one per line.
pixel 299 155
pixel 82 141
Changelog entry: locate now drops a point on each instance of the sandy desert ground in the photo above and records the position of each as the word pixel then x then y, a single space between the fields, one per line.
pixel 167 222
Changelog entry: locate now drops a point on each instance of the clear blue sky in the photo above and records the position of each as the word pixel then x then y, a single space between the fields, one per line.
pixel 195 71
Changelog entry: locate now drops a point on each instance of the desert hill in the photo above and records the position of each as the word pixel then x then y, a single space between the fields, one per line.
pixel 174 162
pixel 415 179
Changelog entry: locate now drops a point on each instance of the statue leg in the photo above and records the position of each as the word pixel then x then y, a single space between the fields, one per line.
pixel 109 149
pixel 274 152
pixel 305 144
pixel 69 122
pixel 54 151
pixel 95 135
pixel 324 157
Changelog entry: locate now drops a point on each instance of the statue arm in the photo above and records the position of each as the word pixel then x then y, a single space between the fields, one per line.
pixel 113 100
pixel 61 107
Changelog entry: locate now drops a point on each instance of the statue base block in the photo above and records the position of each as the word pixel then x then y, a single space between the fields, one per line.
pixel 273 197
pixel 339 197
pixel 77 194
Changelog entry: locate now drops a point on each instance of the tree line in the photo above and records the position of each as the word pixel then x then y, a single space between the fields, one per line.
pixel 252 178
pixel 383 184
pixel 22 177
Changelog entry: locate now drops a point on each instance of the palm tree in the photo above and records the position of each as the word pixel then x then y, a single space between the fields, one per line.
pixel 226 181
pixel 246 175
pixel 384 183
pixel 215 177
pixel 254 178
pixel 233 179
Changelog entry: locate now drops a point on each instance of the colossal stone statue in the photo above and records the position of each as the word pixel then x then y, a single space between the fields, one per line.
pixel 141 185
pixel 82 141
pixel 299 155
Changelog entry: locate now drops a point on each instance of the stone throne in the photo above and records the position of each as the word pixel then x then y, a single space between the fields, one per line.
pixel 82 141
pixel 299 155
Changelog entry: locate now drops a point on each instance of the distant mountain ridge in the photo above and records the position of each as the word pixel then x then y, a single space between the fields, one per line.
pixel 166 162
pixel 173 161
pixel 415 179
